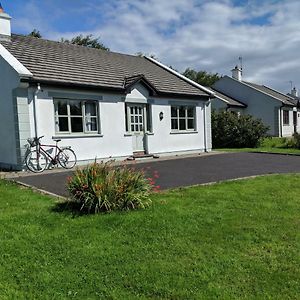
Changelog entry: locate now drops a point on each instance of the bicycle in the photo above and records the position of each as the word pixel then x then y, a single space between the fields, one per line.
pixel 37 160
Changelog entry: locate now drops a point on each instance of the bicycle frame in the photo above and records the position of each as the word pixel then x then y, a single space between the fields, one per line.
pixel 53 159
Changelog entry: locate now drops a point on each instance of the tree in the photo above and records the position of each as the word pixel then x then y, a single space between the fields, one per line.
pixel 87 41
pixel 201 77
pixel 35 33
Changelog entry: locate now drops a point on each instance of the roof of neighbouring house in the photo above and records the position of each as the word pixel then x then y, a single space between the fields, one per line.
pixel 228 100
pixel 60 63
pixel 285 99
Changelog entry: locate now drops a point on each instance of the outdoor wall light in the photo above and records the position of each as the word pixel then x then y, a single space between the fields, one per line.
pixel 161 115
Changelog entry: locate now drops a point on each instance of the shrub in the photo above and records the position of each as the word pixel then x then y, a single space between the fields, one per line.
pixel 278 142
pixel 233 131
pixel 296 137
pixel 102 187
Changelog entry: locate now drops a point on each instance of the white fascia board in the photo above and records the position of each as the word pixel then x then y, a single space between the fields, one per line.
pixel 222 99
pixel 14 63
pixel 181 76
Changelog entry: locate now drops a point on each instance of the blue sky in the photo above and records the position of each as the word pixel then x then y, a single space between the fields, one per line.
pixel 201 34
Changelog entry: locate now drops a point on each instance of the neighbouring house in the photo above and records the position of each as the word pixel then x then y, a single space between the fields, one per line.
pixel 102 104
pixel 278 111
pixel 222 102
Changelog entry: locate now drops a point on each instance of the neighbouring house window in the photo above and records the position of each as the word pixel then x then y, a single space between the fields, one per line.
pixel 74 116
pixel 183 118
pixel 286 117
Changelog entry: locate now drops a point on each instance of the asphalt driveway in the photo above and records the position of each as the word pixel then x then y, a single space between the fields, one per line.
pixel 190 171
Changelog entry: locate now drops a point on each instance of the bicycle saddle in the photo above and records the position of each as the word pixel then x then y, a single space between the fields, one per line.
pixel 56 141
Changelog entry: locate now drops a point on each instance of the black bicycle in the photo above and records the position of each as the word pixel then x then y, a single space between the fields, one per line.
pixel 38 159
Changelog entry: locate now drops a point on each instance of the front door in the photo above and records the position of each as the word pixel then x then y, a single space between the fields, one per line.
pixel 137 119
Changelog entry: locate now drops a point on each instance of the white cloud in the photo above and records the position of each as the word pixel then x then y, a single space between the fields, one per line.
pixel 208 35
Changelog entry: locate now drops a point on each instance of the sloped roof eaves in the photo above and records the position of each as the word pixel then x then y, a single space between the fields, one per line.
pixel 229 100
pixel 72 64
pixel 272 93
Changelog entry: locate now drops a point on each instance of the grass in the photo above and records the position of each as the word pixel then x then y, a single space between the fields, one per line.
pixel 272 145
pixel 231 240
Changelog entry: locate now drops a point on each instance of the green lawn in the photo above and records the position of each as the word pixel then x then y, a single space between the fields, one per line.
pixel 232 240
pixel 273 145
pixel 262 149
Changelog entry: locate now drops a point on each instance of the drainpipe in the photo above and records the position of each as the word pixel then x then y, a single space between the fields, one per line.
pixel 37 90
pixel 205 126
pixel 280 120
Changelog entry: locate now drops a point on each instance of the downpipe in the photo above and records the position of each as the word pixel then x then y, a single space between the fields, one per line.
pixel 208 102
pixel 37 90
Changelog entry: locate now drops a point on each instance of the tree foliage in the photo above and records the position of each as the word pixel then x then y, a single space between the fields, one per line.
pixel 229 130
pixel 87 41
pixel 35 33
pixel 201 77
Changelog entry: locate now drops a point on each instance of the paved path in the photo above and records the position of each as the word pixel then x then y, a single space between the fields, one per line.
pixel 190 171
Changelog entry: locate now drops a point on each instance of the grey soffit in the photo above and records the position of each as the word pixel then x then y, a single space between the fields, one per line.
pixel 62 63
pixel 229 100
pixel 283 98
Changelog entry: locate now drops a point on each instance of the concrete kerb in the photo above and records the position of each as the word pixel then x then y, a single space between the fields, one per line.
pixel 41 191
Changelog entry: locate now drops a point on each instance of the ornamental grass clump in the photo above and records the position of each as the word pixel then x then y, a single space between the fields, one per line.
pixel 101 187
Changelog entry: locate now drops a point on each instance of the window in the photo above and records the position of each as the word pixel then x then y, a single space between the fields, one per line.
pixel 138 118
pixel 286 117
pixel 73 116
pixel 183 118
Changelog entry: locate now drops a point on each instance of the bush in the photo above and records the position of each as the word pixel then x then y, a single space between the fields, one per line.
pixel 296 138
pixel 102 187
pixel 278 142
pixel 229 130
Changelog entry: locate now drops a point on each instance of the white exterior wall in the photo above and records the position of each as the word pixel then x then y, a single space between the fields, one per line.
pixel 114 141
pixel 9 80
pixel 165 141
pixel 259 104
pixel 288 130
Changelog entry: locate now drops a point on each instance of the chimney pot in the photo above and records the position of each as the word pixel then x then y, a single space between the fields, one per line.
pixel 237 73
pixel 294 92
pixel 5 28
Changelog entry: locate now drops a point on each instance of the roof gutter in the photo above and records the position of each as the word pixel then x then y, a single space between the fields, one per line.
pixel 181 76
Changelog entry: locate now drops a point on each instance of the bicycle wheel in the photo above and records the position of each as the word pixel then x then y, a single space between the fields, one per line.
pixel 36 161
pixel 67 158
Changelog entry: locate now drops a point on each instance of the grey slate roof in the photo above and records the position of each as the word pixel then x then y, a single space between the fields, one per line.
pixel 229 100
pixel 62 63
pixel 281 97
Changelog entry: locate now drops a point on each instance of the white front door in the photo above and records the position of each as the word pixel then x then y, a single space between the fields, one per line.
pixel 136 124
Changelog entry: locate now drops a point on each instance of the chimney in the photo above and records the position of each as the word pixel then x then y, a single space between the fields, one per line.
pixel 237 73
pixel 5 29
pixel 294 92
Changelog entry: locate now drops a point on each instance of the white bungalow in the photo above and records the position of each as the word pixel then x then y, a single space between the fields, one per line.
pixel 102 104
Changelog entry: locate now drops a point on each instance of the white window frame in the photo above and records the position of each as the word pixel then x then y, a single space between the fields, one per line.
pixel 186 118
pixel 147 117
pixel 84 117
pixel 283 117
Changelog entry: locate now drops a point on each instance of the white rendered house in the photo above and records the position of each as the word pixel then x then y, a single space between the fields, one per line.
pixel 102 104
pixel 278 111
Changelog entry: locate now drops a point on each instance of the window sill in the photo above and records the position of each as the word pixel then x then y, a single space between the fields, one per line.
pixel 183 132
pixel 71 136
pixel 132 134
